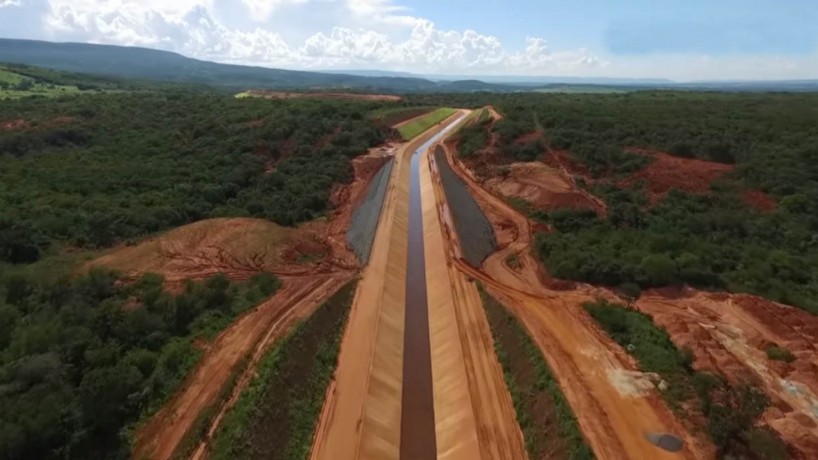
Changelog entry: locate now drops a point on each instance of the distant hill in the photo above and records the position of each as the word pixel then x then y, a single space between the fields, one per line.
pixel 150 64
pixel 144 63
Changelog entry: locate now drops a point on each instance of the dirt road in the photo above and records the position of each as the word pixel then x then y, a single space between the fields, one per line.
pixel 247 337
pixel 615 404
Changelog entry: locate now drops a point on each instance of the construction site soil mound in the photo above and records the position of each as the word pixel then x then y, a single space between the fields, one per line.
pixel 361 233
pixel 237 247
pixel 322 95
pixel 730 334
pixel 545 188
pixel 666 172
pixel 475 233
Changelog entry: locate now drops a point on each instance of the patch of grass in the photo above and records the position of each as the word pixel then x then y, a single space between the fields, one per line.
pixel 275 417
pixel 513 261
pixel 547 420
pixel 394 115
pixel 417 126
pixel 731 412
pixel 777 353
pixel 9 77
pixel 16 86
pixel 483 115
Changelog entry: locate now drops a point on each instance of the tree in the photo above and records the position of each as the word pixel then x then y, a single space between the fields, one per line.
pixel 658 270
pixel 631 292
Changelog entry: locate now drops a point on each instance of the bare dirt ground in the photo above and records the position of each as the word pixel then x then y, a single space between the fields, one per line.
pixel 666 172
pixel 324 95
pixel 614 403
pixel 729 335
pixel 243 247
pixel 545 188
pixel 237 247
pixel 249 336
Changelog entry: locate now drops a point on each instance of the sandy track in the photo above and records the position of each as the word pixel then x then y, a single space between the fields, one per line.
pixel 362 410
pixel 479 422
pixel 248 336
pixel 615 405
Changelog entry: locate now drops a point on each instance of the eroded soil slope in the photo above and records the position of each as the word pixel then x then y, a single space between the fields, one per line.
pixel 730 335
pixel 614 403
pixel 545 188
pixel 237 247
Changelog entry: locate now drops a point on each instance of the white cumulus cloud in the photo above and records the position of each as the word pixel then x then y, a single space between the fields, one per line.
pixel 366 34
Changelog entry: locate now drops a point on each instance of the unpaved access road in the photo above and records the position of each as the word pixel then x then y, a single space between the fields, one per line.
pixel 614 403
pixel 160 436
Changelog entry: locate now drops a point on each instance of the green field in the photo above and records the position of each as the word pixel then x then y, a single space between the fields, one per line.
pixel 16 86
pixel 419 125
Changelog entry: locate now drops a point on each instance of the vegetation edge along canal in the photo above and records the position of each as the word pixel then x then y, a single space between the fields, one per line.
pixel 276 416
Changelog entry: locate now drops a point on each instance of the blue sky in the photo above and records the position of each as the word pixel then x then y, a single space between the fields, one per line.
pixel 681 40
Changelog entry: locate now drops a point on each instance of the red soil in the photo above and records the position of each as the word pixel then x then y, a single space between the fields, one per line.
pixel 13 125
pixel 729 334
pixel 760 200
pixel 321 95
pixel 562 160
pixel 667 172
pixel 545 188
pixel 304 288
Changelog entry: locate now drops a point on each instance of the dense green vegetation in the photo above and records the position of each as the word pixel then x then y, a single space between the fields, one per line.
pixel 419 125
pixel 713 241
pixel 546 418
pixel 474 136
pixel 96 170
pixel 731 412
pixel 81 359
pixel 275 417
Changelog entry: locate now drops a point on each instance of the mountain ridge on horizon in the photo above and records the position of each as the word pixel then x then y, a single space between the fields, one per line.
pixel 154 64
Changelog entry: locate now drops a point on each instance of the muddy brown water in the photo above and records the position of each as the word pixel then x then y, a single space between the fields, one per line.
pixel 417 433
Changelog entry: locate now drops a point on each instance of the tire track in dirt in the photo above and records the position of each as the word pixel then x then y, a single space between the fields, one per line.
pixel 159 437
pixel 613 405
